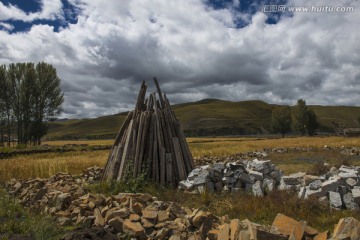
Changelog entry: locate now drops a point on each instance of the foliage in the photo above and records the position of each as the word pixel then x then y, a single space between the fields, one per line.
pixel 319 168
pixel 304 119
pixel 300 116
pixel 281 120
pixel 30 96
pixel 113 187
pixel 312 123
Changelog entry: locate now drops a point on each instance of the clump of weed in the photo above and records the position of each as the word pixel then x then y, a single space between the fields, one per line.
pixel 344 161
pixel 319 168
pixel 14 219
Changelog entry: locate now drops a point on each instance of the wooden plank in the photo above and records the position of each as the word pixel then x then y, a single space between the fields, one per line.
pixel 179 160
pixel 169 170
pixel 150 148
pixel 126 151
pixel 111 160
pixel 155 157
pixel 189 161
pixel 187 149
pixel 162 155
pixel 138 148
pixel 144 138
pixel 160 138
pixel 159 92
pixel 141 96
pixel 113 172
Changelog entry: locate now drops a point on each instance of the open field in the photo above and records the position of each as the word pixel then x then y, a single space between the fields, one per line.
pixel 88 142
pixel 46 164
pixel 260 210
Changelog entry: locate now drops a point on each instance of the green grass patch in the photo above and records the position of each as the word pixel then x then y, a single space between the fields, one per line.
pixel 292 162
pixel 14 219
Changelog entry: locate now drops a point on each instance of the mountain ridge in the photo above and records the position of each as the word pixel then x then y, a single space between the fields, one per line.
pixel 207 117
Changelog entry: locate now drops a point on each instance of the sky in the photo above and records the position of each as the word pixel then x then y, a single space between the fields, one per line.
pixel 232 50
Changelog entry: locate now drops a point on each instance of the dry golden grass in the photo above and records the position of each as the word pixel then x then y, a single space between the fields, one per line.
pixel 88 142
pixel 228 146
pixel 44 165
pixel 47 164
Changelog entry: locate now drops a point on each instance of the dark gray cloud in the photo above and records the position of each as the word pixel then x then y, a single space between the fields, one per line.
pixel 196 53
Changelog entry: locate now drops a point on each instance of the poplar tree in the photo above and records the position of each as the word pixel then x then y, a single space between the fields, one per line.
pixel 281 120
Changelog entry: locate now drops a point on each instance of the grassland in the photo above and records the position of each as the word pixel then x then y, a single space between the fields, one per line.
pixel 260 210
pixel 207 117
pixel 46 164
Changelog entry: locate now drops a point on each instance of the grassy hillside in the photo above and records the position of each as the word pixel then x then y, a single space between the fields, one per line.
pixel 207 117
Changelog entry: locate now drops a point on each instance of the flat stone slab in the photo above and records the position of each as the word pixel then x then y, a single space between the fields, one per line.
pixel 335 200
pixel 294 179
pixel 258 176
pixel 330 185
pixel 349 202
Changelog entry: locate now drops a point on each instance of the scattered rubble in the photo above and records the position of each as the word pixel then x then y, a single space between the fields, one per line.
pixel 142 216
pixel 263 154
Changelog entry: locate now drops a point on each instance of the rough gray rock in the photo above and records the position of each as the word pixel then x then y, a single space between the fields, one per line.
pixel 257 190
pixel 349 202
pixel 294 179
pixel 335 200
pixel 315 185
pixel 330 185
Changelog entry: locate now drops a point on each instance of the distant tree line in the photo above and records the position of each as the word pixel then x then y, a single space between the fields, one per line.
pixel 30 96
pixel 300 118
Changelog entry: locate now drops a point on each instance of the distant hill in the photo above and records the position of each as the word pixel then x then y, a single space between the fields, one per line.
pixel 207 117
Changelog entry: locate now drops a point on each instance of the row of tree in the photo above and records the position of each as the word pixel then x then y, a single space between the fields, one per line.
pixel 300 118
pixel 30 96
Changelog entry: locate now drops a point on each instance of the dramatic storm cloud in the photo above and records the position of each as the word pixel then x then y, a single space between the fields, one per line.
pixel 232 50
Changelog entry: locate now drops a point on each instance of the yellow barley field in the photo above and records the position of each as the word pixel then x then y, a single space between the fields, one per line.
pixel 44 165
pixel 228 146
pixel 47 164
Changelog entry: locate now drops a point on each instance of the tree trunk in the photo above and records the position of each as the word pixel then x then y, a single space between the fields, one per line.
pixel 2 136
pixel 9 130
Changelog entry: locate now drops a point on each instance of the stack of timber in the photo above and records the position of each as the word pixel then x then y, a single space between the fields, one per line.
pixel 150 142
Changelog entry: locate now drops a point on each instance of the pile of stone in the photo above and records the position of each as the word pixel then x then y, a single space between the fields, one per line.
pixel 340 187
pixel 142 216
pixel 92 174
pixel 263 154
pixel 256 176
pixel 237 158
pixel 352 151
pixel 135 215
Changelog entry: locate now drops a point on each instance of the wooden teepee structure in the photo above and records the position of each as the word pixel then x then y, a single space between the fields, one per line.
pixel 150 142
